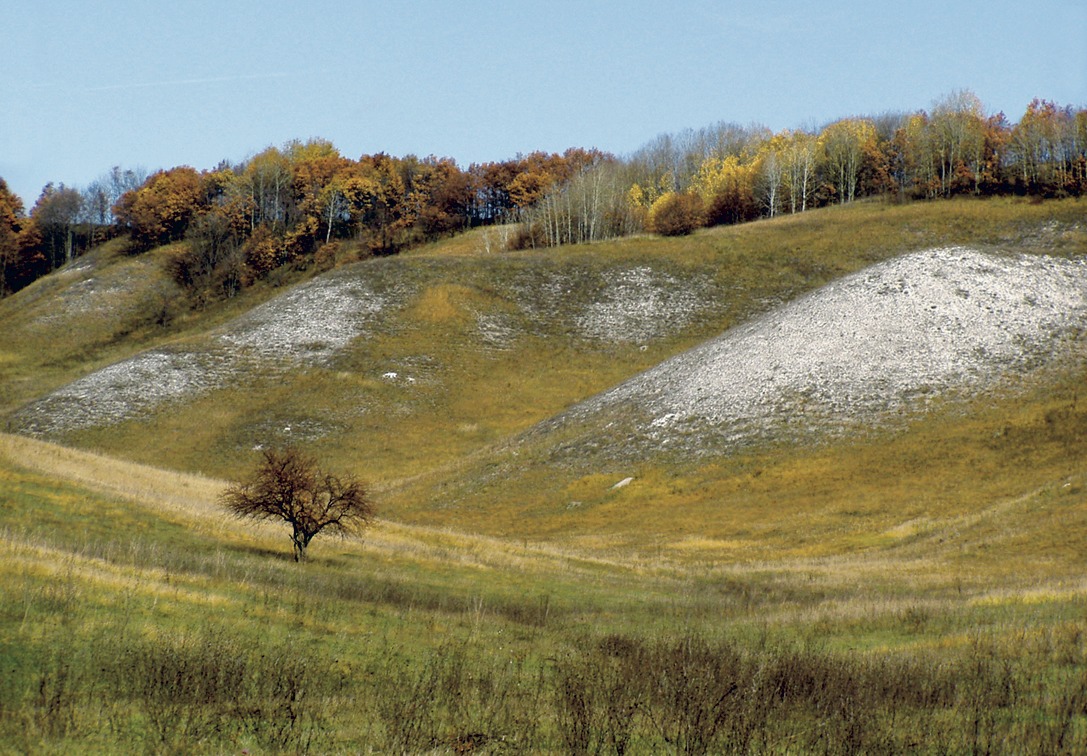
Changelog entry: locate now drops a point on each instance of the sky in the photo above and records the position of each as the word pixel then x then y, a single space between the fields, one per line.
pixel 143 84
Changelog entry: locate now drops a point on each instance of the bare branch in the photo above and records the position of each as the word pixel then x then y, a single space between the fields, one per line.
pixel 289 486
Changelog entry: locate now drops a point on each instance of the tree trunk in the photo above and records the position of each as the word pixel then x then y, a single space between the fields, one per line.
pixel 300 541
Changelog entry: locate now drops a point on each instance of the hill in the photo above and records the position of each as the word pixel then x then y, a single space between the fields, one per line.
pixel 895 565
pixel 401 368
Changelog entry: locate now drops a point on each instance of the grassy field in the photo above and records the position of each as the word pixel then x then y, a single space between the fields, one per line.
pixel 921 591
pixel 136 617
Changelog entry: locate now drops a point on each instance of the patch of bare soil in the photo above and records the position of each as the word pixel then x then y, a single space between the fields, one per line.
pixel 863 350
pixel 307 325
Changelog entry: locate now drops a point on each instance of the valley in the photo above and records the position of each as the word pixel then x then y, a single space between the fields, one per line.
pixel 851 447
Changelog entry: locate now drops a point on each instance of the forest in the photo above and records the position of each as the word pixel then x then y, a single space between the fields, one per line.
pixel 305 204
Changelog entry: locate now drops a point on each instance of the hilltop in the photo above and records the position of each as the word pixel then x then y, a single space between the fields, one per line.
pixel 644 354
pixel 857 354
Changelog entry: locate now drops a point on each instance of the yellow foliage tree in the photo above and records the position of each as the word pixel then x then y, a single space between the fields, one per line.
pixel 727 185
pixel 676 214
pixel 844 144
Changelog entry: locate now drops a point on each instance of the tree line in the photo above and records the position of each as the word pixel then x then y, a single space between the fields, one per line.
pixel 288 205
pixel 296 204
pixel 728 173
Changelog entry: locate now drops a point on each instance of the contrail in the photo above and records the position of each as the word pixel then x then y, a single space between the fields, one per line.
pixel 185 82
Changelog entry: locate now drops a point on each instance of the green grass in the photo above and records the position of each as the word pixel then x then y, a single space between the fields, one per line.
pixel 130 624
pixel 471 397
pixel 915 592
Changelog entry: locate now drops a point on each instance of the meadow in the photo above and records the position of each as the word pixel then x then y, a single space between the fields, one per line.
pixel 138 619
pixel 914 591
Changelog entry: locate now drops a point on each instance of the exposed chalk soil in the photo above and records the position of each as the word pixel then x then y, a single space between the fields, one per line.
pixel 866 348
pixel 314 322
pixel 862 350
pixel 307 325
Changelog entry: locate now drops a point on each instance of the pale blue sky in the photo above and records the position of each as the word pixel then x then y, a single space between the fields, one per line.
pixel 86 86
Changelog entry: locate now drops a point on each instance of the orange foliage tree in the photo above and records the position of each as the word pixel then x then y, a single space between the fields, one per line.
pixel 283 204
pixel 159 211
pixel 11 222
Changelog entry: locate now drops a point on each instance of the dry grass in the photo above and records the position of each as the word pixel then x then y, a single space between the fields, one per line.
pixel 414 618
pixel 432 446
pixel 894 587
pixel 471 394
pixel 190 495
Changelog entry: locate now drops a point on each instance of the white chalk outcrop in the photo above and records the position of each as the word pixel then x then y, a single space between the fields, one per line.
pixel 307 325
pixel 868 347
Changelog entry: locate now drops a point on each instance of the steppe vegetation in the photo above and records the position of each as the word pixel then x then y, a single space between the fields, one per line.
pixel 912 591
pixel 138 617
pixel 540 577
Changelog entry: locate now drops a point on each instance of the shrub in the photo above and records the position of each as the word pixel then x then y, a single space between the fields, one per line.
pixel 676 214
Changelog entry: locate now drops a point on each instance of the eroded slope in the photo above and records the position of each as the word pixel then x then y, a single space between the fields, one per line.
pixel 875 345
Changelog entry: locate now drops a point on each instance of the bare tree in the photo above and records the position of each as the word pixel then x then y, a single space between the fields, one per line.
pixel 799 157
pixel 288 485
pixel 958 134
pixel 57 212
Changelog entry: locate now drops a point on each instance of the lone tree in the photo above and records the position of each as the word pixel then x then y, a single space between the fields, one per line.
pixel 287 485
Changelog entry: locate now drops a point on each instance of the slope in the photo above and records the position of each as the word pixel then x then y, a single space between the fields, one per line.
pixel 923 580
pixel 402 367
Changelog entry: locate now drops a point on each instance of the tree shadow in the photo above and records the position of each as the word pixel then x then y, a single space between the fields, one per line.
pixel 282 555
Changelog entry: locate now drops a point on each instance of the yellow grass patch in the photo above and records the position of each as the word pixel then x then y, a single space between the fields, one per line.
pixel 1057 591
pixel 442 303
pixel 28 559
pixel 695 544
pixel 191 495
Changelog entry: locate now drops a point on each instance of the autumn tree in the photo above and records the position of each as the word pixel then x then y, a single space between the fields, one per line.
pixel 439 197
pixel 844 144
pixel 727 187
pixel 333 204
pixel 11 216
pixel 1079 163
pixel 598 202
pixel 56 214
pixel 381 218
pixel 915 164
pixel 676 214
pixel 798 155
pixel 354 194
pixel 988 163
pixel 263 251
pixel 770 173
pixel 1047 149
pixel 957 127
pixel 289 486
pixel 318 202
pixel 490 183
pixel 266 182
pixel 529 187
pixel 212 263
pixel 673 162
pixel 159 211
pixel 591 206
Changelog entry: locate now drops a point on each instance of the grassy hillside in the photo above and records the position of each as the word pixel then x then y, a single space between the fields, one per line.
pixel 136 617
pixel 103 307
pixel 919 590
pixel 448 353
pixel 483 345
